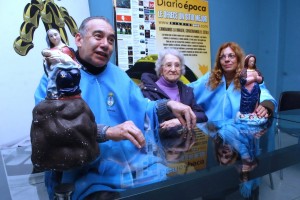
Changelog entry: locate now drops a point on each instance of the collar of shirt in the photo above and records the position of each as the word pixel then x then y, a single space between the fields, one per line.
pixel 89 67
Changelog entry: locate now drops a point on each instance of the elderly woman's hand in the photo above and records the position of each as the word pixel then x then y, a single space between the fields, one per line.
pixel 170 123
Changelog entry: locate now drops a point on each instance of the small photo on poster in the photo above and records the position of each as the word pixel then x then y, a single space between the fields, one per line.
pixel 123 28
pixel 147 33
pixel 141 3
pixel 123 3
pixel 130 60
pixel 152 26
pixel 151 17
pixel 151 4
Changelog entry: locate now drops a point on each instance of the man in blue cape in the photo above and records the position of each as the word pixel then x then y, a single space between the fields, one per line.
pixel 125 119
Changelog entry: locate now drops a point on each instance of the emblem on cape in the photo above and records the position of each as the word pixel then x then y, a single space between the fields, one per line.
pixel 110 99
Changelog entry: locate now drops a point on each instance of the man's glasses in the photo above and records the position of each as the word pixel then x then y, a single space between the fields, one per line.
pixel 230 56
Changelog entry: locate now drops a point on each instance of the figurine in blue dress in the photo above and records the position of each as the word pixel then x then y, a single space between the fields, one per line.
pixel 250 78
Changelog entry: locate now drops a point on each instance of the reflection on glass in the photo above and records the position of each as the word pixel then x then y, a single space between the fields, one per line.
pixel 175 141
pixel 138 167
pixel 236 142
pixel 167 153
pixel 183 151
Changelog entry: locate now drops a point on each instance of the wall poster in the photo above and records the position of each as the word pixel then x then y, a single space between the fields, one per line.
pixel 145 27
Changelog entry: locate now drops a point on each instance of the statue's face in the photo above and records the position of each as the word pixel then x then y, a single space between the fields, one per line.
pixel 251 62
pixel 54 37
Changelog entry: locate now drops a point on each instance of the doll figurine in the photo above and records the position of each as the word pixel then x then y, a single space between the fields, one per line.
pixel 250 78
pixel 59 58
pixel 54 41
pixel 63 130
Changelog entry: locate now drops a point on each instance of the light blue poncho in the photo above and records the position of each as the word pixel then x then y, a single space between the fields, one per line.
pixel 114 98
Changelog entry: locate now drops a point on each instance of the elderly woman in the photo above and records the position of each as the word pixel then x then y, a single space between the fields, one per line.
pixel 166 84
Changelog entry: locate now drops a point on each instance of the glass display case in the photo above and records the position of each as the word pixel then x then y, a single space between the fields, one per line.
pixel 179 163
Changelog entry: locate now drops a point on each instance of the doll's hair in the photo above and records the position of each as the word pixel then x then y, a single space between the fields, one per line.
pixel 216 76
pixel 247 58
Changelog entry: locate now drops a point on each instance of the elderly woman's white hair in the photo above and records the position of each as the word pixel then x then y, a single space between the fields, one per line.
pixel 161 56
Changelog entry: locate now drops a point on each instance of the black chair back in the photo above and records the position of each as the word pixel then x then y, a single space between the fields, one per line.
pixel 289 100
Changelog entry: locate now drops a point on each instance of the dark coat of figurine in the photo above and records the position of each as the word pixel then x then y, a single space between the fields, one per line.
pixel 63 134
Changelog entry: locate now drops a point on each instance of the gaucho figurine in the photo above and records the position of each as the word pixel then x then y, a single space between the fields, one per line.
pixel 63 131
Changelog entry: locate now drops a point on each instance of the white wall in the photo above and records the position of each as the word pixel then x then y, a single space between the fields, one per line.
pixel 20 75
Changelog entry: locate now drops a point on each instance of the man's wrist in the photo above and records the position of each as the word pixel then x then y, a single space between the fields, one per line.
pixel 101 133
pixel 162 109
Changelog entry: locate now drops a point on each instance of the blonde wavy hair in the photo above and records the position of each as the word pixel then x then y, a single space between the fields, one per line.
pixel 216 75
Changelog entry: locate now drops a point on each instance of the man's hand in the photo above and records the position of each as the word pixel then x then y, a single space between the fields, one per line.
pixel 126 131
pixel 184 113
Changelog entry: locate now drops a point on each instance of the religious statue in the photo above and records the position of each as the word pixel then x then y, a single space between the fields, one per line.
pixel 250 78
pixel 63 130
